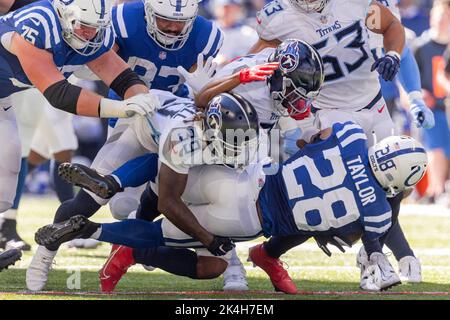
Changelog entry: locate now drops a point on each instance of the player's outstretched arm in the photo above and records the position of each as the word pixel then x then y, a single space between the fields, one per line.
pixel 228 83
pixel 40 69
pixel 170 189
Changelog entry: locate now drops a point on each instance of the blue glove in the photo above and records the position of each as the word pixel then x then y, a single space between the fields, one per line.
pixel 290 141
pixel 423 116
pixel 387 66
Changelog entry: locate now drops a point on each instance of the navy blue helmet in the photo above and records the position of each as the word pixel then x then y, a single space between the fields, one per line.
pixel 299 78
pixel 232 128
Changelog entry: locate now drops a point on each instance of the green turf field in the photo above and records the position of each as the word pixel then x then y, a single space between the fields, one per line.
pixel 318 277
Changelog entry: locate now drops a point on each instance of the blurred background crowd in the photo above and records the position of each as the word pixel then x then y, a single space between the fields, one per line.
pixel 429 38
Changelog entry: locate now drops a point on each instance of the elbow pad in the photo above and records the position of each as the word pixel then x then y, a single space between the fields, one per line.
pixel 124 81
pixel 63 95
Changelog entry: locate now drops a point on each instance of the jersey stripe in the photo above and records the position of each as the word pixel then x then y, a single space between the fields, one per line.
pixel 346 128
pixel 353 138
pixel 378 230
pixel 211 40
pixel 121 21
pixel 103 9
pixel 44 23
pixel 50 15
pixel 379 218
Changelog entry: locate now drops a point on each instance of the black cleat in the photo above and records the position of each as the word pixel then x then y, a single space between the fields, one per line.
pixel 9 258
pixel 77 227
pixel 103 186
pixel 9 238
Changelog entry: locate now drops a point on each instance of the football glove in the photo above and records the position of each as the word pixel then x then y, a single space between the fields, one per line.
pixel 339 243
pixel 388 65
pixel 143 104
pixel 422 115
pixel 257 73
pixel 379 274
pixel 201 76
pixel 220 246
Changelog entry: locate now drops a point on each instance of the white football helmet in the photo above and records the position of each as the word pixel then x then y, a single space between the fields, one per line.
pixel 309 5
pixel 172 10
pixel 74 14
pixel 398 163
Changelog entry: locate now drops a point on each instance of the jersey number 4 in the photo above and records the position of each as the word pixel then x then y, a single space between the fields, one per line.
pixel 356 44
pixel 335 194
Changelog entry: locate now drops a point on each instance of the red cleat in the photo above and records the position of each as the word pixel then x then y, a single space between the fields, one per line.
pixel 274 268
pixel 120 259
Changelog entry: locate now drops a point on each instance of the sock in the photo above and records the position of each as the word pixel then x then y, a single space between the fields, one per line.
pixel 63 189
pixel 279 245
pixel 133 233
pixel 21 182
pixel 138 171
pixel 181 262
pixel 82 204
pixel 395 239
pixel 148 206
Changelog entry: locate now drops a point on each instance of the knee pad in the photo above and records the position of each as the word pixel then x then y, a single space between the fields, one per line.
pixel 121 207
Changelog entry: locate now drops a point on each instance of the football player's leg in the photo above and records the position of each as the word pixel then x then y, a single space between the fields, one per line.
pixel 124 203
pixel 148 206
pixel 10 155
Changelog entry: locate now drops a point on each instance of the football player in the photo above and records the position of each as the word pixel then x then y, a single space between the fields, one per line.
pixel 410 79
pixel 245 76
pixel 338 30
pixel 41 44
pixel 334 189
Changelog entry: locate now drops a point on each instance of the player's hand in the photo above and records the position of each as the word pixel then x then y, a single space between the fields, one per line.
pixel 220 246
pixel 338 242
pixel 388 66
pixel 258 73
pixel 201 76
pixel 142 104
pixel 422 115
pixel 290 141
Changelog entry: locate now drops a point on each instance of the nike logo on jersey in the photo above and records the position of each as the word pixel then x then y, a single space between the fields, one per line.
pixel 7 108
pixel 381 109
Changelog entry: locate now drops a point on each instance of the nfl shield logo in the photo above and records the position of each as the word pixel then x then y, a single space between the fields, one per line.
pixel 324 19
pixel 162 55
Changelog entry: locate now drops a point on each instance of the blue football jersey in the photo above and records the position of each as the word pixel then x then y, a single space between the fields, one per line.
pixel 326 188
pixel 38 24
pixel 155 65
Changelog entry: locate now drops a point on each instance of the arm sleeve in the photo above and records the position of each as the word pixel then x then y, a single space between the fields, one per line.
pixel 409 75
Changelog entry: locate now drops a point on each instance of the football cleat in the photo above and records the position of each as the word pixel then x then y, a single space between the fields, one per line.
pixel 37 272
pixel 77 174
pixel 379 274
pixel 9 238
pixel 9 258
pixel 410 269
pixel 274 268
pixel 120 259
pixel 235 278
pixel 58 233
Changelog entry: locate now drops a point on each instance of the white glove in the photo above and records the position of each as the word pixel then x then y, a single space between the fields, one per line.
pixel 201 76
pixel 143 104
pixel 379 274
pixel 422 115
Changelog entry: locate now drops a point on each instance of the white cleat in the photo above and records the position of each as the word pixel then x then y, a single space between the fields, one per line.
pixel 83 243
pixel 37 272
pixel 235 278
pixel 410 269
pixel 379 275
pixel 362 261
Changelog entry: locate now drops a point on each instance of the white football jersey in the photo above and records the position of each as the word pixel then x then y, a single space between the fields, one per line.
pixel 257 92
pixel 341 37
pixel 172 133
pixel 375 39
